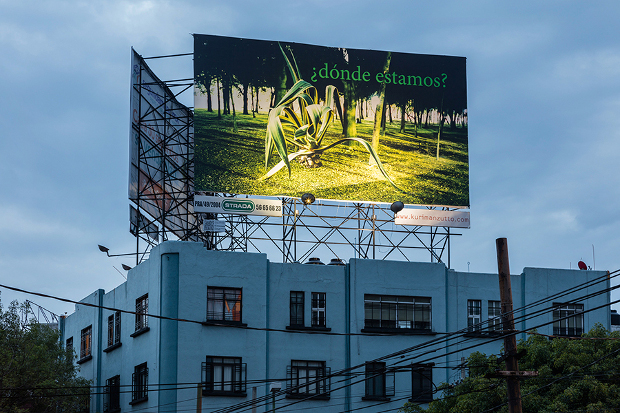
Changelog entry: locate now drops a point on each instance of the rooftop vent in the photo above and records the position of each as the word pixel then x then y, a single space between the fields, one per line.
pixel 336 261
pixel 315 261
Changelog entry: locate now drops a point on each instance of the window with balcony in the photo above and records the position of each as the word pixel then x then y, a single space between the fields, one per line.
pixel 397 313
pixel 114 331
pixel 379 382
pixel 112 395
pixel 142 319
pixel 86 343
pixel 224 376
pixel 307 378
pixel 139 384
pixel 421 383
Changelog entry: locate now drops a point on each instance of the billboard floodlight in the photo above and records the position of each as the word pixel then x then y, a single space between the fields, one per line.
pixel 397 206
pixel 126 267
pixel 307 198
pixel 107 251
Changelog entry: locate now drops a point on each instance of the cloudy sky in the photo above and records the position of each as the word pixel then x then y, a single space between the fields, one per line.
pixel 543 98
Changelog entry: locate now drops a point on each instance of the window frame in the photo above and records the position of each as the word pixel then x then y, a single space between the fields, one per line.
pixel 386 314
pixel 474 320
pixel 422 383
pixel 315 383
pixel 565 314
pixel 377 380
pixel 318 307
pixel 86 344
pixel 296 309
pixel 494 316
pixel 112 395
pixel 225 367
pixel 140 384
pixel 114 331
pixel 69 344
pixel 216 306
pixel 142 311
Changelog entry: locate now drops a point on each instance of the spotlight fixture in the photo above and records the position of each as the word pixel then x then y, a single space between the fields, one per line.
pixel 126 267
pixel 397 206
pixel 307 198
pixel 107 252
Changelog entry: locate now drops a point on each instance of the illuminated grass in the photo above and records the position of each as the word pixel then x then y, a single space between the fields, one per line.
pixel 228 161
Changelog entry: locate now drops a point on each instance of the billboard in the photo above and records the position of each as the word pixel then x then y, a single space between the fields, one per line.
pixel 281 119
pixel 160 145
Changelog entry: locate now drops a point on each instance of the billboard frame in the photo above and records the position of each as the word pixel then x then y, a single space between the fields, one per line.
pixel 302 232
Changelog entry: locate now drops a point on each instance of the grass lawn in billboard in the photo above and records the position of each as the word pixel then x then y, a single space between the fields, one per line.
pixel 369 140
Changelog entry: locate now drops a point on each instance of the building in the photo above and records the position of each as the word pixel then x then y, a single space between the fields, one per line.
pixel 322 331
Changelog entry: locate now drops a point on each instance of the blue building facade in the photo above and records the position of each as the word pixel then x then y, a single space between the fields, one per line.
pixel 220 329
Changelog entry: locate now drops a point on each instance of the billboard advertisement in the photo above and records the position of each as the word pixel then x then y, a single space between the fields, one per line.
pixel 160 142
pixel 281 119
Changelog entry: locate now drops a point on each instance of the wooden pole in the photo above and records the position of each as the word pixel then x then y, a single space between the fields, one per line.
pixel 199 398
pixel 508 326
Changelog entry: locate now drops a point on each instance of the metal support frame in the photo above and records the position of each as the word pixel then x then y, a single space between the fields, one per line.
pixel 358 230
pixel 338 229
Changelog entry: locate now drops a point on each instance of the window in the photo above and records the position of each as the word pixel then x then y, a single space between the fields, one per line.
pixel 307 378
pixel 86 343
pixel 69 344
pixel 572 325
pixel 112 395
pixel 223 376
pixel 142 309
pixel 114 329
pixel 297 308
pixel 421 383
pixel 379 383
pixel 495 316
pixel 318 310
pixel 139 384
pixel 224 304
pixel 396 312
pixel 474 309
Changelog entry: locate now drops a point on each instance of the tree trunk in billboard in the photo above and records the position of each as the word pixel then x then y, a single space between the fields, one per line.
pixel 441 117
pixel 379 115
pixel 402 117
pixel 219 109
pixel 280 89
pixel 226 96
pixel 386 107
pixel 350 108
pixel 244 92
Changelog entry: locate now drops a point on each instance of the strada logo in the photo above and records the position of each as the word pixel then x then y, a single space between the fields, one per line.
pixel 238 205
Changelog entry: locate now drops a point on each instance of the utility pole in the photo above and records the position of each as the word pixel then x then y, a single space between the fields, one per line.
pixel 199 398
pixel 508 327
